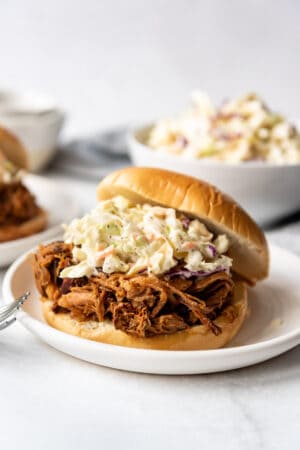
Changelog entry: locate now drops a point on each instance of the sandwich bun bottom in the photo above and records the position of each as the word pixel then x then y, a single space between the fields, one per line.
pixel 24 229
pixel 195 338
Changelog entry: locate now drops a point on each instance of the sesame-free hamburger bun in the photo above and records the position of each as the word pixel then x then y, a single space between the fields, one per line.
pixel 221 215
pixel 197 198
pixel 12 148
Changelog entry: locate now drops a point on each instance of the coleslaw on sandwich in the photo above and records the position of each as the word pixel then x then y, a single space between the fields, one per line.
pixel 118 236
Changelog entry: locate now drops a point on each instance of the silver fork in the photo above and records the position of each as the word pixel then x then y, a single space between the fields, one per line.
pixel 8 312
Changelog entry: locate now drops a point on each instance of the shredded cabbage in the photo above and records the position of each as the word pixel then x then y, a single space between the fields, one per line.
pixel 242 129
pixel 8 171
pixel 118 236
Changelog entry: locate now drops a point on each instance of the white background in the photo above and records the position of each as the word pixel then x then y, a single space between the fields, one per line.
pixel 112 61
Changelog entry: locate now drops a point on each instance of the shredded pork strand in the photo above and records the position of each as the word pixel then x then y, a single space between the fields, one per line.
pixel 17 204
pixel 141 305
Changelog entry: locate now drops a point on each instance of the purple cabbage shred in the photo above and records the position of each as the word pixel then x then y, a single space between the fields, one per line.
pixel 186 274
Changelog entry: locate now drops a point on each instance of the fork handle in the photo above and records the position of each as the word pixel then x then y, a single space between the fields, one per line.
pixel 7 323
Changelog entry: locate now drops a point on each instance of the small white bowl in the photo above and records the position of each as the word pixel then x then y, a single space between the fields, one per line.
pixel 36 121
pixel 267 191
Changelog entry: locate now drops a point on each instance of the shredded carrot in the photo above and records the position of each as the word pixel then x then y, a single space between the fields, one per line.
pixel 190 245
pixel 104 253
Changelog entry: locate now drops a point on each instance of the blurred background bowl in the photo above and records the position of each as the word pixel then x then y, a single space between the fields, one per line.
pixel 268 192
pixel 36 121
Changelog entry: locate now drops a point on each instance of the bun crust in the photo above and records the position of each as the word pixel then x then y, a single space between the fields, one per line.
pixel 32 226
pixel 195 197
pixel 13 149
pixel 195 338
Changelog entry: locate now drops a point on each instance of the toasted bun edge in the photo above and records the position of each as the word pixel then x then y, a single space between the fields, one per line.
pixel 198 198
pixel 13 149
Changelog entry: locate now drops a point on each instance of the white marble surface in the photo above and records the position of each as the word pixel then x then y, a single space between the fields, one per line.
pixel 51 401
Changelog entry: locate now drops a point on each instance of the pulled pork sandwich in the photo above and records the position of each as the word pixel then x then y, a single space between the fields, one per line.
pixel 20 216
pixel 162 262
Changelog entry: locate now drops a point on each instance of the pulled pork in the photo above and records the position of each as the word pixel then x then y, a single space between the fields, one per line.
pixel 17 204
pixel 142 305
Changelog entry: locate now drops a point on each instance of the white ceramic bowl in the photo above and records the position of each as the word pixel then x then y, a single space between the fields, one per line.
pixel 36 121
pixel 268 192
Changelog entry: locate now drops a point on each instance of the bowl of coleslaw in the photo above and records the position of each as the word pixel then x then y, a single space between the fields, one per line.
pixel 242 146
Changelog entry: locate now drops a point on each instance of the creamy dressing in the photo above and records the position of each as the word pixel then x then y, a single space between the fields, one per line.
pixel 242 129
pixel 9 173
pixel 118 236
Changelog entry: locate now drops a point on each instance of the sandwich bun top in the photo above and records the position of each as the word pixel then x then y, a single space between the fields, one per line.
pixel 219 212
pixel 12 149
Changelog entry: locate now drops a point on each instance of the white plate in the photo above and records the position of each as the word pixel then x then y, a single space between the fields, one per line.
pixel 272 328
pixel 61 207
